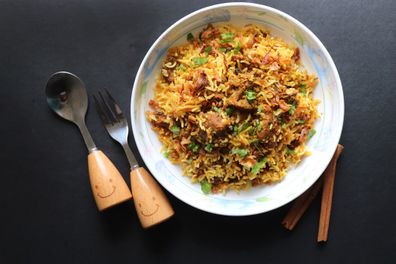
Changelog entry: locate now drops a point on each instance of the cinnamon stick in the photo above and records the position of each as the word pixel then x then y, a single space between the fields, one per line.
pixel 327 196
pixel 300 205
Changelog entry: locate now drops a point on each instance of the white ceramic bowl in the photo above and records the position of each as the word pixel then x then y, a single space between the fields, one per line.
pixel 315 58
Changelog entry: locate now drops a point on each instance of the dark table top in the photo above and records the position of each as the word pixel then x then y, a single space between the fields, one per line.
pixel 47 209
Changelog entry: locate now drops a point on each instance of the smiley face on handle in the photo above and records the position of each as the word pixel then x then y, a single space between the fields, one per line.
pixel 103 191
pixel 151 204
pixel 149 208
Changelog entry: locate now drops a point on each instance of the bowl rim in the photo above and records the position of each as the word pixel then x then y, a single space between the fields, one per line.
pixel 302 27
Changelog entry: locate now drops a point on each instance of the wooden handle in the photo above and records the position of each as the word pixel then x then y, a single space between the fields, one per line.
pixel 151 204
pixel 108 186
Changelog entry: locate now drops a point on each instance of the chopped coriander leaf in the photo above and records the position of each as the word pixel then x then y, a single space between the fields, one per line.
pixel 206 187
pixel 292 108
pixel 260 108
pixel 290 151
pixel 190 36
pixel 241 152
pixel 227 37
pixel 222 49
pixel 303 89
pixel 259 127
pixel 189 161
pixel 216 109
pixel 181 67
pixel 237 48
pixel 244 126
pixel 166 154
pixel 229 110
pixel 208 49
pixel 175 130
pixel 235 129
pixel 194 147
pixel 311 133
pixel 300 121
pixel 251 131
pixel 258 166
pixel 200 60
pixel 250 95
pixel 209 147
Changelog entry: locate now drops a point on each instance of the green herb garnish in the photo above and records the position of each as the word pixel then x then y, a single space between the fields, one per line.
pixel 311 133
pixel 260 108
pixel 190 36
pixel 235 129
pixel 258 166
pixel 241 152
pixel 303 89
pixel 208 49
pixel 290 151
pixel 292 108
pixel 222 49
pixel 209 147
pixel 250 95
pixel 175 130
pixel 244 126
pixel 166 154
pixel 218 110
pixel 181 67
pixel 259 127
pixel 300 121
pixel 251 131
pixel 227 37
pixel 237 48
pixel 200 60
pixel 194 147
pixel 229 110
pixel 206 187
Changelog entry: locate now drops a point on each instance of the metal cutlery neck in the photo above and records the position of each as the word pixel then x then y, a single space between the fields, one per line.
pixel 86 136
pixel 131 158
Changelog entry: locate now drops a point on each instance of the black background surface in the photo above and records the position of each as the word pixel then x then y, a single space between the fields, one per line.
pixel 47 212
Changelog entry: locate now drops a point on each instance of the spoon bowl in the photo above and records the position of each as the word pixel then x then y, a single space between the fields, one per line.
pixel 67 96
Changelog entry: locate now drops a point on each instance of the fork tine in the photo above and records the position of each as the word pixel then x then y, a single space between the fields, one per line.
pixel 100 111
pixel 113 104
pixel 108 109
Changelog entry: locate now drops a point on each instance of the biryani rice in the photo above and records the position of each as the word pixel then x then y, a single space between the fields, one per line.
pixel 234 107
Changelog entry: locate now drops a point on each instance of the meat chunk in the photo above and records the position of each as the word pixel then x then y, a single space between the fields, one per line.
pixel 265 131
pixel 201 83
pixel 215 121
pixel 240 103
pixel 157 118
